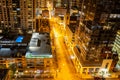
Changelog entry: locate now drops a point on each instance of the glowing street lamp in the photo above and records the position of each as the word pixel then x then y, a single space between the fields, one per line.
pixel 72 57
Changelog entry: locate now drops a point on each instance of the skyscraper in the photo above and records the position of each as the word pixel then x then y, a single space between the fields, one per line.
pixel 21 13
pixel 27 13
pixel 98 28
pixel 9 13
pixel 99 23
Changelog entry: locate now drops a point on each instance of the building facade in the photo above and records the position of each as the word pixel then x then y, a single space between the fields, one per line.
pixel 96 34
pixel 22 13
pixel 9 13
pixel 116 48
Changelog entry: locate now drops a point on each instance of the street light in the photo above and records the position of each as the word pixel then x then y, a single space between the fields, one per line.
pixel 72 57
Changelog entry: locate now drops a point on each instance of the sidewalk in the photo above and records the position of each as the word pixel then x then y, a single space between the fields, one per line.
pixel 89 77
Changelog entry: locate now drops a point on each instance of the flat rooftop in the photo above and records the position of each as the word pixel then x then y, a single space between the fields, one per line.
pixel 39 46
pixel 12 44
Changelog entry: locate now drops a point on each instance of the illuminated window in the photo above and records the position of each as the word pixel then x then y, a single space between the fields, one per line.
pixel 106 27
pixel 114 15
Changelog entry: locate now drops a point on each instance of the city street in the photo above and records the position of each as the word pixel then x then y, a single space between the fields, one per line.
pixel 59 39
pixel 66 70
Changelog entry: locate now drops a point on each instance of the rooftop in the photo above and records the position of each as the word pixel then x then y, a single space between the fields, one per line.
pixel 12 44
pixel 39 46
pixel 87 63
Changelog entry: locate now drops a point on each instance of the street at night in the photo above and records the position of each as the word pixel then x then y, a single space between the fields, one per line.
pixel 60 39
pixel 66 70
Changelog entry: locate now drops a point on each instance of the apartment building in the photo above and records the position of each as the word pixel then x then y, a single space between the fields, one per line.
pixel 9 13
pixel 96 35
pixel 71 29
pixel 17 14
pixel 22 13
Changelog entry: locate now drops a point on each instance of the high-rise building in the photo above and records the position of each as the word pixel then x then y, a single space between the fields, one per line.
pixel 22 13
pixel 99 23
pixel 28 14
pixel 9 13
pixel 17 13
pixel 98 32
